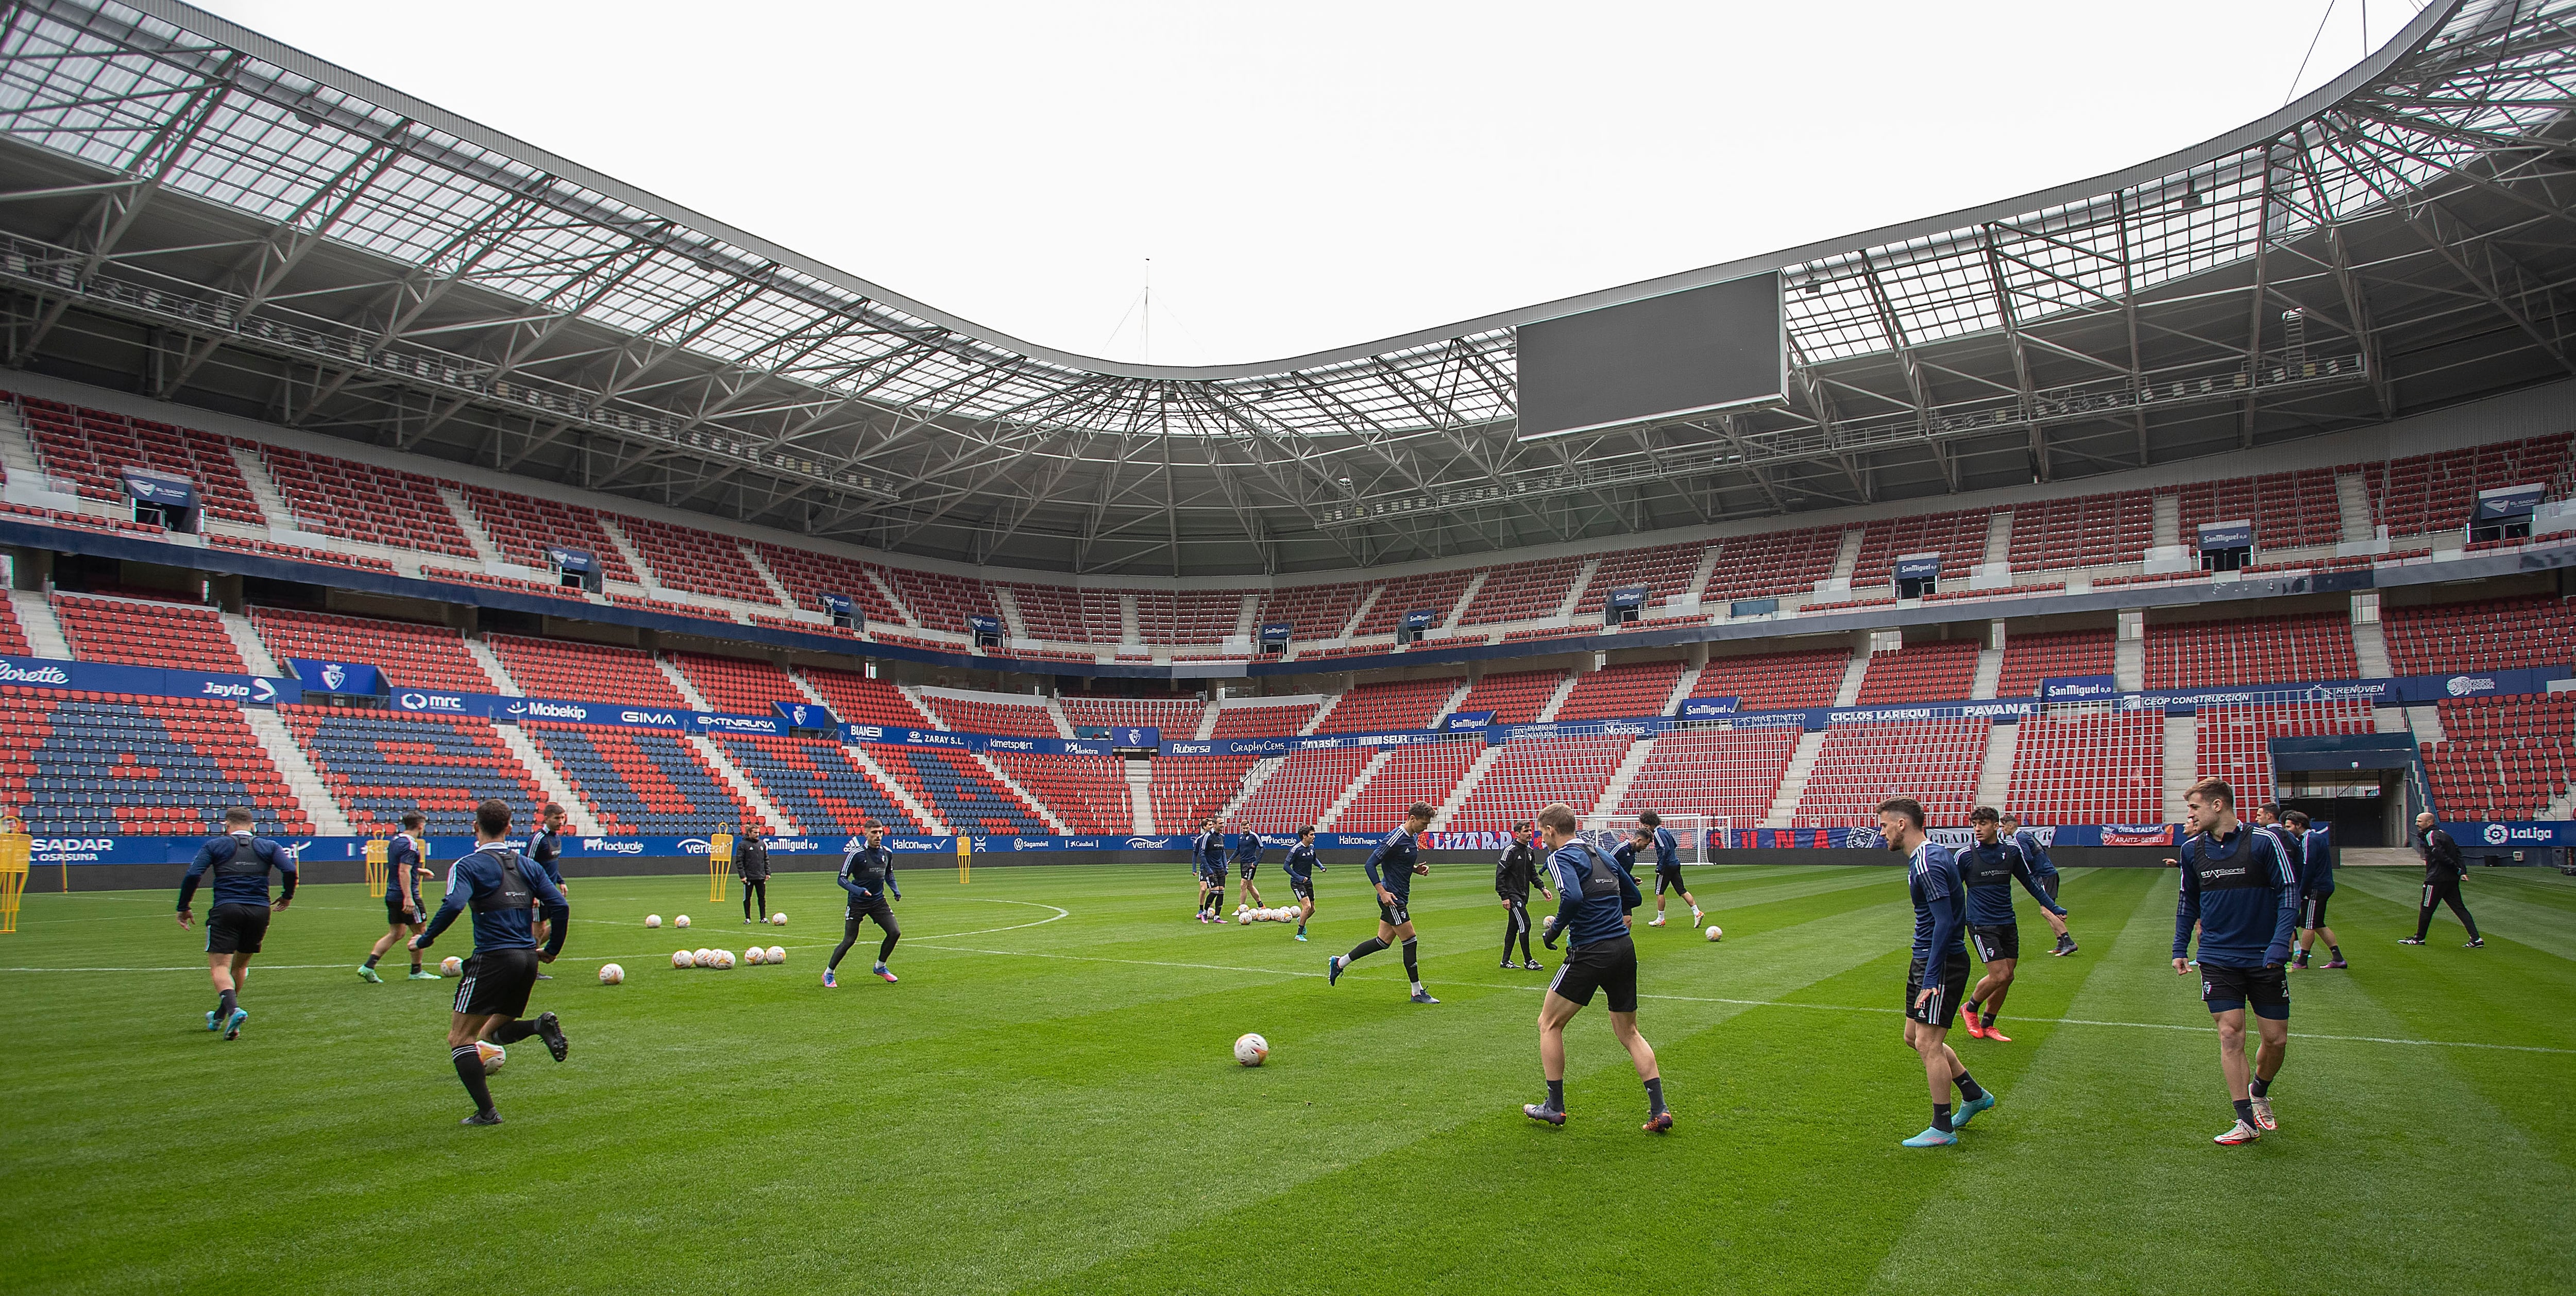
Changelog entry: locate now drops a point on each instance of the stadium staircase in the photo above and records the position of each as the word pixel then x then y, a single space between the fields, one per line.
pixel 1140 795
pixel 36 620
pixel 1547 711
pixel 894 789
pixel 297 769
pixel 17 453
pixel 681 684
pixel 1466 600
pixel 777 588
pixel 576 812
pixel 1333 813
pixel 1574 590
pixel 1253 778
pixel 2165 523
pixel 1054 822
pixel 1683 687
pixel 885 590
pixel 1990 673
pixel 1466 786
pixel 645 579
pixel 1625 774
pixel 2129 664
pixel 742 785
pixel 1994 778
pixel 483 655
pixel 1359 614
pixel 1697 591
pixel 1848 694
pixel 2182 758
pixel 246 641
pixel 263 489
pixel 1793 781
pixel 2352 505
pixel 476 538
pixel 1847 557
pixel 2370 647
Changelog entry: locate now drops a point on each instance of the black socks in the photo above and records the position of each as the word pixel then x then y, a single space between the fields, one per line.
pixel 1411 972
pixel 1968 1087
pixel 469 1069
pixel 2262 1088
pixel 514 1032
pixel 1655 1096
pixel 1941 1117
pixel 2245 1110
pixel 226 1003
pixel 1556 1094
pixel 371 960
pixel 1362 950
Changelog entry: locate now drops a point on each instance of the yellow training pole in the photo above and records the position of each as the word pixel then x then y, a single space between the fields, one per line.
pixel 965 856
pixel 719 863
pixel 15 847
pixel 378 852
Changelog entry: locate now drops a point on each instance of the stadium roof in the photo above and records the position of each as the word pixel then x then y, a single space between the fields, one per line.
pixel 192 210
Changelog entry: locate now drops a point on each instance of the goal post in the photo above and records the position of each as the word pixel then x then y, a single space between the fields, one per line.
pixel 1607 831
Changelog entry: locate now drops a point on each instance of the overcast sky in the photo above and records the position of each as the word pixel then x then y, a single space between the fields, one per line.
pixel 1312 175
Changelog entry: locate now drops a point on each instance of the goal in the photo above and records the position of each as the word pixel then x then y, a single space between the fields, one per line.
pixel 1607 831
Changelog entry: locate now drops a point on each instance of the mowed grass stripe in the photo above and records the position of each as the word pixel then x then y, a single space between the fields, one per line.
pixel 2525 909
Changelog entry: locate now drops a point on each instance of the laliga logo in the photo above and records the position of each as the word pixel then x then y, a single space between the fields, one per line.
pixel 2464 685
pixel 2496 834
pixel 334 675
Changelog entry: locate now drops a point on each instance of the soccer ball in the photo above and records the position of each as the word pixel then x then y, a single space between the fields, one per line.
pixel 494 1056
pixel 1714 931
pixel 754 955
pixel 1243 916
pixel 611 974
pixel 1251 1050
pixel 684 959
pixel 777 954
pixel 652 920
pixel 724 960
pixel 681 921
pixel 451 966
pixel 778 920
pixel 705 957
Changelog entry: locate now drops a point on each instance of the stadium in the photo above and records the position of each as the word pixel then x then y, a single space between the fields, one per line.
pixel 361 461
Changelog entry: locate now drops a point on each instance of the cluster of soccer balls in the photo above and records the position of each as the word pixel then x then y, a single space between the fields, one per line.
pixel 1248 915
pixel 721 960
pixel 655 920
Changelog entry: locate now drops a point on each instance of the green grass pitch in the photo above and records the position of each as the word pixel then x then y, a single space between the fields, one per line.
pixel 1047 1104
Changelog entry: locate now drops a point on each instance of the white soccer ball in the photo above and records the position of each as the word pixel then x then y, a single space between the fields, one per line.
pixel 1243 916
pixel 652 920
pixel 494 1056
pixel 777 953
pixel 778 919
pixel 681 921
pixel 611 974
pixel 451 966
pixel 754 955
pixel 1251 1050
pixel 1715 932
pixel 684 959
pixel 706 957
pixel 724 960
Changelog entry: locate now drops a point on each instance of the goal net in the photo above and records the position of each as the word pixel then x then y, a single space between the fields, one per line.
pixel 1694 831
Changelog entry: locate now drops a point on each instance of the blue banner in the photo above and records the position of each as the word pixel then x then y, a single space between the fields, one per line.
pixel 2499 504
pixel 1928 711
pixel 1918 567
pixel 1628 596
pixel 2078 688
pixel 2226 535
pixel 2261 695
pixel 984 625
pixel 1752 607
pixel 1276 632
pixel 493 706
pixel 839 605
pixel 1136 737
pixel 1420 618
pixel 1707 708
pixel 718 723
pixel 101 677
pixel 1460 721
pixel 155 487
pixel 806 715
pixel 2482 838
pixel 335 677
pixel 578 561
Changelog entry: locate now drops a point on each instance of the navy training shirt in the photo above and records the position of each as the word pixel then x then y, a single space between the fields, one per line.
pixel 1247 848
pixel 2035 852
pixel 1594 893
pixel 402 860
pixel 867 869
pixel 2318 877
pixel 1391 864
pixel 240 863
pixel 1209 854
pixel 508 893
pixel 1668 848
pixel 1990 872
pixel 2239 891
pixel 1940 905
pixel 1301 860
pixel 545 846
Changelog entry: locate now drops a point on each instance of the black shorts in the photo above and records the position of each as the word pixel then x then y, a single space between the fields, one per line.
pixel 1668 875
pixel 1301 887
pixel 2312 909
pixel 2048 883
pixel 1247 871
pixel 497 983
pixel 2002 941
pixel 1395 915
pixel 1602 965
pixel 874 906
pixel 1214 877
pixel 236 928
pixel 1944 1006
pixel 2226 989
pixel 397 915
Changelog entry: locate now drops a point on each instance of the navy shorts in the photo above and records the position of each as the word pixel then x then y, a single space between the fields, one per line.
pixel 236 928
pixel 2226 989
pixel 1395 915
pixel 1943 1008
pixel 497 983
pixel 1301 887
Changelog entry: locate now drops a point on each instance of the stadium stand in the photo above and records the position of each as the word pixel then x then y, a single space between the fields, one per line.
pixel 1522 591
pixel 357 501
pixel 2090 765
pixel 380 764
pixel 1960 539
pixel 1775 681
pixel 856 699
pixel 1372 708
pixel 1179 616
pixel 90 448
pixel 2250 650
pixel 939 601
pixel 1733 773
pixel 102 765
pixel 1531 773
pixel 1317 611
pixel 1921 672
pixel 1934 761
pixel 2028 659
pixel 639 781
pixel 1423 772
pixel 966 715
pixel 809 576
pixel 13 637
pixel 1623 692
pixel 698 561
pixel 2502 757
pixel 1068 615
pixel 2288 510
pixel 957 790
pixel 1436 591
pixel 2235 742
pixel 557 668
pixel 1188 788
pixel 737 684
pixel 1780 562
pixel 522 527
pixel 2492 635
pixel 139 632
pixel 2422 494
pixel 2087 531
pixel 1664 570
pixel 1176 717
pixel 1277 720
pixel 1303 787
pixel 1089 793
pixel 1514 696
pixel 409 655
pixel 298 553
pixel 816 785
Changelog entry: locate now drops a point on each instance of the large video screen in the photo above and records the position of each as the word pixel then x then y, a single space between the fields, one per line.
pixel 1664 357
